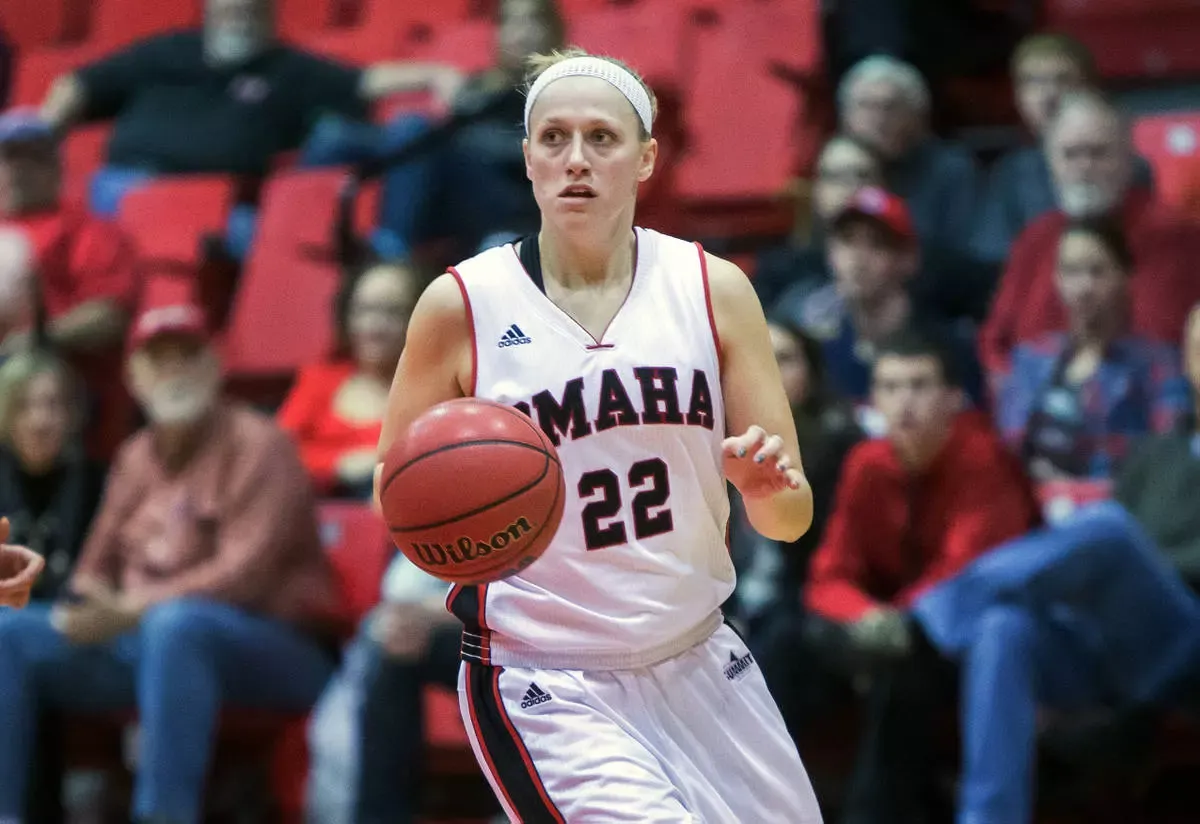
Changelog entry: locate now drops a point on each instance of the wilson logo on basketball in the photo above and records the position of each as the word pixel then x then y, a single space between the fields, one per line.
pixel 468 549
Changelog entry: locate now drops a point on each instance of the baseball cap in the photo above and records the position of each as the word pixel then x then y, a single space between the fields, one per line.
pixel 882 206
pixel 182 320
pixel 22 125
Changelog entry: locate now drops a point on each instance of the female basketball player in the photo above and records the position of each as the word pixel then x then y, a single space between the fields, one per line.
pixel 600 685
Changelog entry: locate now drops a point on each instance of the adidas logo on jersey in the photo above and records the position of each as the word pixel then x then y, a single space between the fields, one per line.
pixel 535 695
pixel 513 337
pixel 737 667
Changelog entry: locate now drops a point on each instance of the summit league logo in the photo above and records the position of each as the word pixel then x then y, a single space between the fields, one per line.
pixel 737 667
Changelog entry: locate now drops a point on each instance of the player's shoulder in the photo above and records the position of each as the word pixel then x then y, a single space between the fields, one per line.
pixel 486 264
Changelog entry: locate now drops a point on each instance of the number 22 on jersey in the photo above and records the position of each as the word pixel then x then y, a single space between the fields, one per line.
pixel 604 521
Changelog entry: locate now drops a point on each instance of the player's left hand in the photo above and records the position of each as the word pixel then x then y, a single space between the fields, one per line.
pixel 756 464
pixel 19 570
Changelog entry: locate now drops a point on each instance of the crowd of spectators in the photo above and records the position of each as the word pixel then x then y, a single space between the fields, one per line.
pixel 993 376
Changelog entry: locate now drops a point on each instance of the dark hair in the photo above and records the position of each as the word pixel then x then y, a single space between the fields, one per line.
pixel 345 295
pixel 819 393
pixel 922 342
pixel 1111 235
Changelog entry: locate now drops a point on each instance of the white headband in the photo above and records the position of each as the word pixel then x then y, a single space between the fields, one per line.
pixel 610 72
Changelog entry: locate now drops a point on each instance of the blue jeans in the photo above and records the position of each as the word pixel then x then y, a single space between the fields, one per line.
pixel 1082 615
pixel 392 725
pixel 187 660
pixel 406 189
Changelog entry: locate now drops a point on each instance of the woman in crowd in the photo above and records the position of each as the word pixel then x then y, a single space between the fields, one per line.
pixel 1074 399
pixel 335 410
pixel 771 580
pixel 49 491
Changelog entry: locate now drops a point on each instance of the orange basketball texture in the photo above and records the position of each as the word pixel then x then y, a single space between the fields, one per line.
pixel 473 492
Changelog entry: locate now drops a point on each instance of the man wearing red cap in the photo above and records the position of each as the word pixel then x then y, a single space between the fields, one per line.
pixel 203 583
pixel 874 256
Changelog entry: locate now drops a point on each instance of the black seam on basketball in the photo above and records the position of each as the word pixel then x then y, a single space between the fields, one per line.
pixel 474 512
pixel 542 528
pixel 537 430
pixel 487 572
pixel 459 445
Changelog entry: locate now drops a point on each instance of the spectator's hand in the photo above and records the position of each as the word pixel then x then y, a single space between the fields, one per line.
pixel 755 464
pixel 404 630
pixel 19 570
pixel 882 631
pixel 357 467
pixel 94 615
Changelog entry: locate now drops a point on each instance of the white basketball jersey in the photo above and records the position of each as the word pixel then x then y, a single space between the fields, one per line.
pixel 639 567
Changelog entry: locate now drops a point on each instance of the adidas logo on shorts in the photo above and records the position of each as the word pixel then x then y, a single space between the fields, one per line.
pixel 513 337
pixel 737 667
pixel 535 695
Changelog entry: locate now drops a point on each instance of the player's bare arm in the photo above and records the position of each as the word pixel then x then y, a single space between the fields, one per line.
pixel 436 364
pixel 762 456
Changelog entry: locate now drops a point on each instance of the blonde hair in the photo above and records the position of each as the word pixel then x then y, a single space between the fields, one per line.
pixel 536 64
pixel 1054 44
pixel 19 371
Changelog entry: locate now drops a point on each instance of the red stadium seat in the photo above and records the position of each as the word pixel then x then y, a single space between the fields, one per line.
pixel 1171 142
pixel 36 69
pixel 117 23
pixel 649 36
pixel 742 144
pixel 1060 13
pixel 282 314
pixel 359 548
pixel 169 216
pixel 82 154
pixel 1151 44
pixel 471 46
pixel 32 24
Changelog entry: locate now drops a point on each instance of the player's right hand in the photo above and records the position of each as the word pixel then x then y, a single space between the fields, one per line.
pixel 19 570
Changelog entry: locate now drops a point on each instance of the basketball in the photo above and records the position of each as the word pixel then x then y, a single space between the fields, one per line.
pixel 473 492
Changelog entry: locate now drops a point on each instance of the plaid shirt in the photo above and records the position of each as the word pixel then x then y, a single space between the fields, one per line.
pixel 1138 389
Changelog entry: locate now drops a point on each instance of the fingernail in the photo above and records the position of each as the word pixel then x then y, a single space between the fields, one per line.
pixel 759 458
pixel 741 453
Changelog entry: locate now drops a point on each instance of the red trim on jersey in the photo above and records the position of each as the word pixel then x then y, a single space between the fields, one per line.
pixel 525 757
pixel 712 318
pixel 451 595
pixel 462 287
pixel 472 702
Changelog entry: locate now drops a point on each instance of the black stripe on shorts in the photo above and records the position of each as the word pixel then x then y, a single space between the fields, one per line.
pixel 507 758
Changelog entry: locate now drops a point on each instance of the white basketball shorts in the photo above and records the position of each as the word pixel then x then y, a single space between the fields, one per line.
pixel 695 738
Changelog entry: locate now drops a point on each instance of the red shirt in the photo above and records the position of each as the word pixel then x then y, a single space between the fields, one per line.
pixel 322 436
pixel 1166 284
pixel 81 258
pixel 893 534
pixel 237 524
